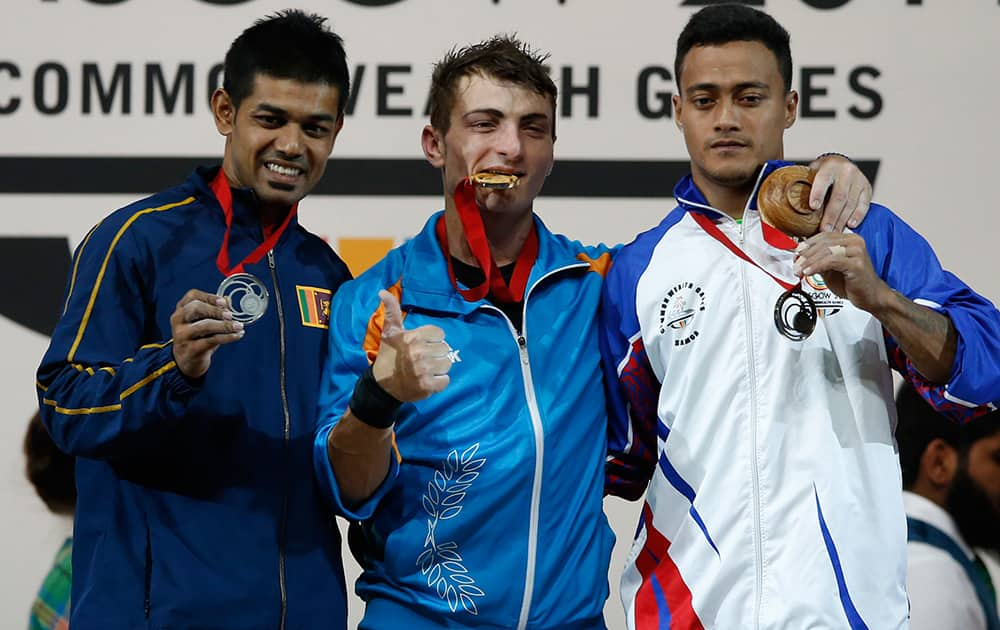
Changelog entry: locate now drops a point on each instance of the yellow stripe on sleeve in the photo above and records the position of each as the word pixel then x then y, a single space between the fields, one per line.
pixel 106 408
pixel 152 377
pixel 76 265
pixel 104 267
pixel 80 411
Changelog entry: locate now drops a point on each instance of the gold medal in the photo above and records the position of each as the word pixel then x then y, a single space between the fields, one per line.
pixel 496 181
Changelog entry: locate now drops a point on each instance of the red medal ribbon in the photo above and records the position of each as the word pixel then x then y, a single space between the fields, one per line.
pixel 475 234
pixel 713 230
pixel 220 186
pixel 777 238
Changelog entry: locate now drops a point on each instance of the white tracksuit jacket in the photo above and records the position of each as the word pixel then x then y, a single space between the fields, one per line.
pixel 774 496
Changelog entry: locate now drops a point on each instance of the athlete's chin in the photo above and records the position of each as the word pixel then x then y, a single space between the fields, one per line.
pixel 733 176
pixel 506 202
pixel 279 195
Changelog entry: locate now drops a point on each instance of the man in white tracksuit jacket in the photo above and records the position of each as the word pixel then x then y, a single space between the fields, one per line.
pixel 774 495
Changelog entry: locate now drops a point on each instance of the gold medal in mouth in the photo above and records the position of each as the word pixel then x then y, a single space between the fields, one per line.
pixel 496 181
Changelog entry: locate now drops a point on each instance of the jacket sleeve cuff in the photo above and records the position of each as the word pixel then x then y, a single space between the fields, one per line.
pixel 179 385
pixel 331 490
pixel 974 378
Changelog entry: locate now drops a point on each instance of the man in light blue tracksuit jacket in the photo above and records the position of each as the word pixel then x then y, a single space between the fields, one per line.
pixel 469 528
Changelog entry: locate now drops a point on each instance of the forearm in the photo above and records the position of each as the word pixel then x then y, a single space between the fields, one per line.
pixel 360 456
pixel 928 338
pixel 89 411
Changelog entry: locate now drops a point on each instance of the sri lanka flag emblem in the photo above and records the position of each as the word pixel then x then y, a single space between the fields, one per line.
pixel 314 304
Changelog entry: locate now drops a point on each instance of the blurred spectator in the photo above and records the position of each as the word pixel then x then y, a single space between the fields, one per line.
pixel 951 481
pixel 51 472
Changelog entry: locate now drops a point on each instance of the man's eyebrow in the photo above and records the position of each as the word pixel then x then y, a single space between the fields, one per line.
pixel 272 109
pixel 485 110
pixel 708 86
pixel 278 111
pixel 496 113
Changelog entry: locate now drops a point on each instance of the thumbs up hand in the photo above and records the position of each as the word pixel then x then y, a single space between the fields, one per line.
pixel 411 364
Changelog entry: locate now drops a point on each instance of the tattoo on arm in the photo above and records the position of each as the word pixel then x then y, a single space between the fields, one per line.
pixel 927 337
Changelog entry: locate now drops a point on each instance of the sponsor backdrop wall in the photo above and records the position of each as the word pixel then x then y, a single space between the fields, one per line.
pixel 102 101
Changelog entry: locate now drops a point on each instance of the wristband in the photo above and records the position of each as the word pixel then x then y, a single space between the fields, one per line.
pixel 829 153
pixel 371 404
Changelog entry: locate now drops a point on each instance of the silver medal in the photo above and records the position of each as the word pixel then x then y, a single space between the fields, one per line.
pixel 247 296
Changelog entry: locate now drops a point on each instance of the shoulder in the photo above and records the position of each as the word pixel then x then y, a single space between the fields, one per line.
pixel 573 247
pixel 928 565
pixel 143 214
pixel 144 219
pixel 362 292
pixel 634 257
pixel 889 238
pixel 939 590
pixel 316 251
pixel 561 249
pixel 882 224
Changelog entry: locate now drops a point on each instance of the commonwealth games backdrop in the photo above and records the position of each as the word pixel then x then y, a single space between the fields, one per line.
pixel 102 101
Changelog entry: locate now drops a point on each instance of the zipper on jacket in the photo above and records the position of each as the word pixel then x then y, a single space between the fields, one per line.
pixel 536 482
pixel 758 550
pixel 287 434
pixel 539 431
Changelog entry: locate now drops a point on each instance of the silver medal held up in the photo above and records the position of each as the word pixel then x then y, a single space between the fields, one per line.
pixel 247 296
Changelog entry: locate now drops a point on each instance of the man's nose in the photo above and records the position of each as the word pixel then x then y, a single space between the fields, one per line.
pixel 727 116
pixel 508 141
pixel 289 141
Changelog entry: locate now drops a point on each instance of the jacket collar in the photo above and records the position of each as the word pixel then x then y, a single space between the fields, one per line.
pixel 426 284
pixel 244 200
pixel 690 198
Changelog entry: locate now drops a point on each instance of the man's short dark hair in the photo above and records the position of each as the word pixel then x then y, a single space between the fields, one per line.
pixel 720 24
pixel 290 44
pixel 50 471
pixel 920 424
pixel 502 57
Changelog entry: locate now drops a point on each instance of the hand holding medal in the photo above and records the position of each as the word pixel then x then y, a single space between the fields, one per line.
pixel 783 202
pixel 200 323
pixel 841 258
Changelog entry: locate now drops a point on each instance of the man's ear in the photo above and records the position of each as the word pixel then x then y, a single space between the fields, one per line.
pixel 939 463
pixel 791 108
pixel 223 111
pixel 432 142
pixel 676 100
pixel 336 130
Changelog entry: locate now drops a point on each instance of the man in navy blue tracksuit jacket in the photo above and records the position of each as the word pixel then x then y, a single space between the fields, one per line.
pixel 191 420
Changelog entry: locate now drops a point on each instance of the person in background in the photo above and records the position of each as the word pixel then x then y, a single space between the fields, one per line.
pixel 52 474
pixel 951 491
